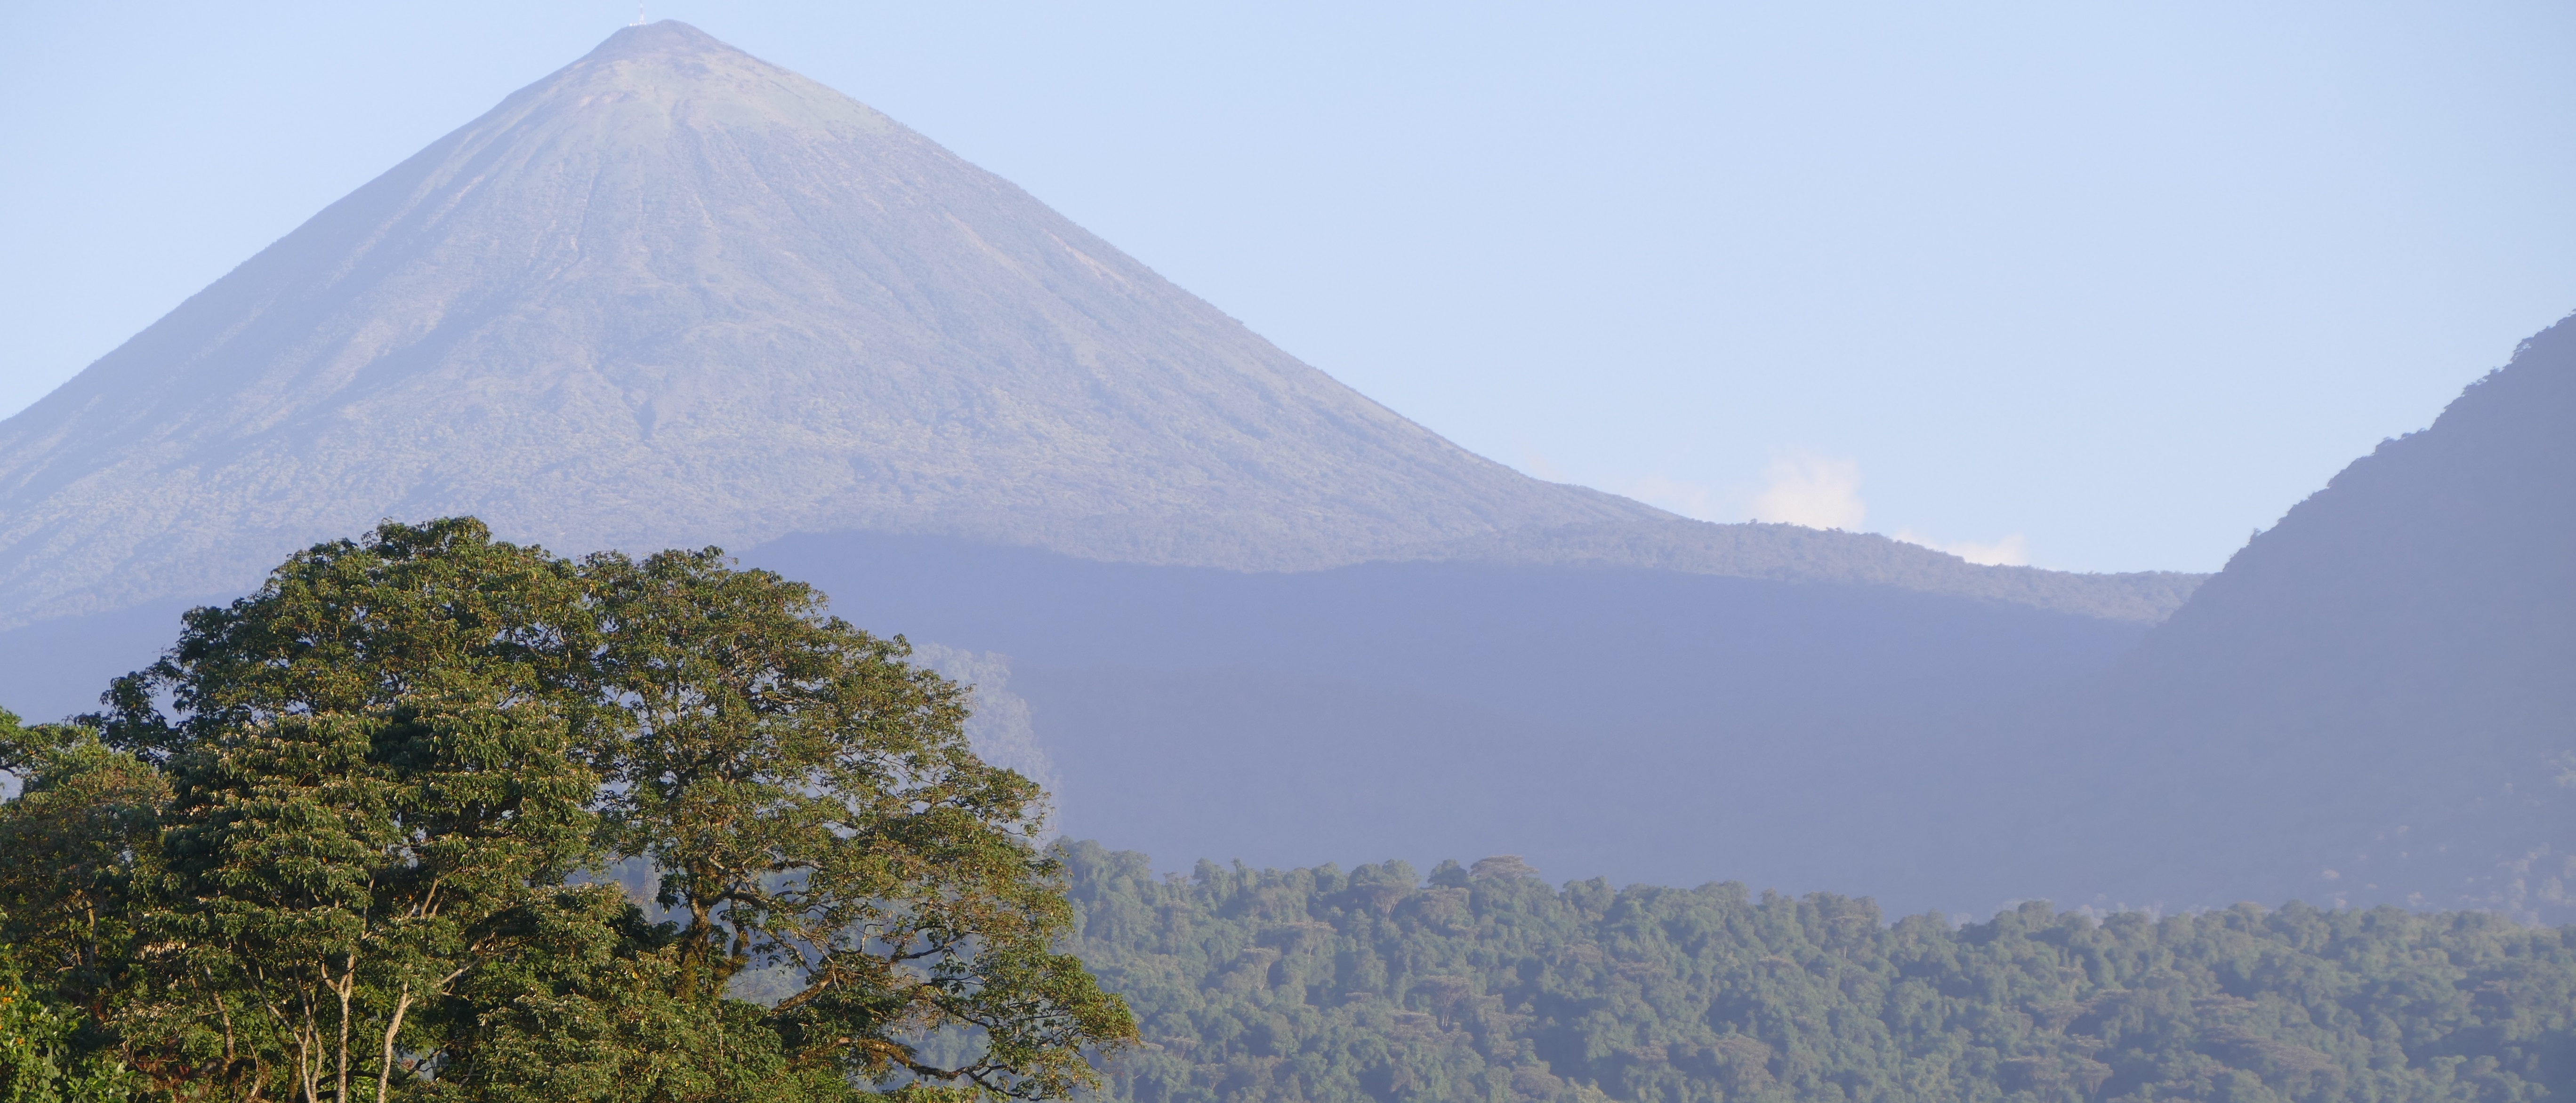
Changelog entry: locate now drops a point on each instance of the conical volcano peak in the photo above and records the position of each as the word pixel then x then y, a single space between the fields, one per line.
pixel 666 36
pixel 674 295
pixel 676 55
pixel 682 76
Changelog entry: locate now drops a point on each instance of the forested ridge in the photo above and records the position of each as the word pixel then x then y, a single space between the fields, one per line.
pixel 1487 984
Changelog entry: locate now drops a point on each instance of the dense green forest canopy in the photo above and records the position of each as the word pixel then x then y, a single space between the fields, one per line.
pixel 351 838
pixel 1486 984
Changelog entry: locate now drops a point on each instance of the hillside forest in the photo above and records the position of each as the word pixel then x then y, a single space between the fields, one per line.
pixel 1484 983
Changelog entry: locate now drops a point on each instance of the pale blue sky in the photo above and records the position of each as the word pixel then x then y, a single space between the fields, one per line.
pixel 2122 281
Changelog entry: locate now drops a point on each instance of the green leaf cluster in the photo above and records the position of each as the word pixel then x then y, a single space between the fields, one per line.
pixel 1487 984
pixel 354 837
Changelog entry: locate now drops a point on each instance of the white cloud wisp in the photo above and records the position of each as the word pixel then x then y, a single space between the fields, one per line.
pixel 1817 493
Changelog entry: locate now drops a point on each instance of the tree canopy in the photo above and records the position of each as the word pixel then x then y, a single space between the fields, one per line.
pixel 1487 984
pixel 359 836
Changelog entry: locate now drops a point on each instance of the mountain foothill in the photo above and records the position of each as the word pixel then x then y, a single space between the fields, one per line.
pixel 672 296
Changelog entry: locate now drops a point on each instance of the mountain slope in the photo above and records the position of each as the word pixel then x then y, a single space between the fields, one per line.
pixel 1638 724
pixel 2376 700
pixel 671 294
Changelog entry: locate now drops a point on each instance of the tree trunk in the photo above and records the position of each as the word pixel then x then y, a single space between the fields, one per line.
pixel 348 982
pixel 385 1074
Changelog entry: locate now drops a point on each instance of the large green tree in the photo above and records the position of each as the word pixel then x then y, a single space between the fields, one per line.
pixel 814 807
pixel 373 771
pixel 352 838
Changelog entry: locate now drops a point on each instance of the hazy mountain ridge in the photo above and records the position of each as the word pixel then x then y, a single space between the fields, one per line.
pixel 2380 684
pixel 1794 553
pixel 1636 723
pixel 672 295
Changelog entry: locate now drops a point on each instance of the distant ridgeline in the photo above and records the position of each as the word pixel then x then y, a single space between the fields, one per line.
pixel 1489 985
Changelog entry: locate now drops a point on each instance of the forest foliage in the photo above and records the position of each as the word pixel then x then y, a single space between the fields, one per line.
pixel 1485 983
pixel 354 837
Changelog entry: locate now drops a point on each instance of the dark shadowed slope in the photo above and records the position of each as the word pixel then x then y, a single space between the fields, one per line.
pixel 2376 700
pixel 1622 722
pixel 673 295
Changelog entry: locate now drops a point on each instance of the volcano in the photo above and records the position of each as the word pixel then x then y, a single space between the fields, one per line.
pixel 674 295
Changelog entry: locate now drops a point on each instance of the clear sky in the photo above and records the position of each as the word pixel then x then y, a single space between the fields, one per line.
pixel 2102 285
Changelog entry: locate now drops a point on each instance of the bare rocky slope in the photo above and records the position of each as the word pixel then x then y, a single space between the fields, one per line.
pixel 673 295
